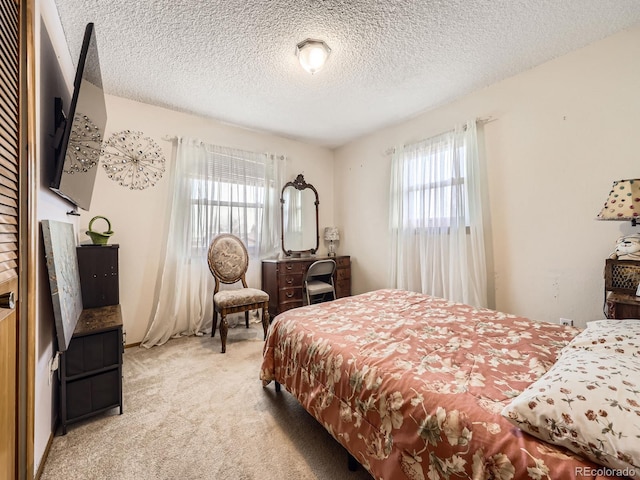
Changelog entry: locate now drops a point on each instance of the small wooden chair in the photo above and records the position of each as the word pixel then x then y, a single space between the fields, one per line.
pixel 228 261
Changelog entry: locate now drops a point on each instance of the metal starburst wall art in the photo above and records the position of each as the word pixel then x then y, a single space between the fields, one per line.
pixel 83 151
pixel 133 160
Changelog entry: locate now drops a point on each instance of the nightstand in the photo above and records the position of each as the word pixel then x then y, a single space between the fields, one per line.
pixel 621 278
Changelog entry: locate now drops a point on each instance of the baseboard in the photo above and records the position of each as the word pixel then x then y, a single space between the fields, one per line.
pixel 129 345
pixel 45 454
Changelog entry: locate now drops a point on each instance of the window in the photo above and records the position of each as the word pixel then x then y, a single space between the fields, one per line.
pixel 228 196
pixel 437 239
pixel 214 190
pixel 434 188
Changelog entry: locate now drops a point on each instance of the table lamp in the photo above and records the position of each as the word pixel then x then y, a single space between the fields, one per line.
pixel 331 234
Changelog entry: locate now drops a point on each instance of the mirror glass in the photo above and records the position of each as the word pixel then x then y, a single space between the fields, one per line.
pixel 299 205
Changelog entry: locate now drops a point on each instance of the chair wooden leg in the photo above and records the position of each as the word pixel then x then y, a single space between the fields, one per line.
pixel 224 328
pixel 265 319
pixel 214 323
pixel 246 318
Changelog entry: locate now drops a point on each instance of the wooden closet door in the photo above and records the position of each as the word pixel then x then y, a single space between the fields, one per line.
pixel 9 185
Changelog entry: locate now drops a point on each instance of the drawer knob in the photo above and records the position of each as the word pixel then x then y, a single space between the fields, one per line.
pixel 289 294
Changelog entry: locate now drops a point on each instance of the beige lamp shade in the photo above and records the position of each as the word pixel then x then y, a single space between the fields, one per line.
pixel 331 234
pixel 623 202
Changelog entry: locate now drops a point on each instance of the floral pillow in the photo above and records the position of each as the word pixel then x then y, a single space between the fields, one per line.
pixel 609 336
pixel 588 402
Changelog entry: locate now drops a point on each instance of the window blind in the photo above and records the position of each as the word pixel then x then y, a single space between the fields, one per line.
pixel 9 119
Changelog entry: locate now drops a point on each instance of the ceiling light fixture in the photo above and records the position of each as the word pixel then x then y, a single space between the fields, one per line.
pixel 312 54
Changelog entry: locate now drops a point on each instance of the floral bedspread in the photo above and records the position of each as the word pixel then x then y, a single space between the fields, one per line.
pixel 413 385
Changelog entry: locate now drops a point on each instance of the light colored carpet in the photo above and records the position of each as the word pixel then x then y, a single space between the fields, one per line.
pixel 191 412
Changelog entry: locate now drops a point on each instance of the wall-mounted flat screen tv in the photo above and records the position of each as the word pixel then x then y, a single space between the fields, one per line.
pixel 80 132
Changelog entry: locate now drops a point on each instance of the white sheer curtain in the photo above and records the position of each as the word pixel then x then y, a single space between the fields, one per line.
pixel 215 190
pixel 436 222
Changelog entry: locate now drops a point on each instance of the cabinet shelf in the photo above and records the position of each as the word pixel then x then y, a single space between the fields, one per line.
pixel 96 412
pixel 91 367
pixel 80 376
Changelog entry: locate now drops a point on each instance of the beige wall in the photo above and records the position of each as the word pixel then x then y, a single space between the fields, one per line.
pixel 139 217
pixel 54 72
pixel 562 132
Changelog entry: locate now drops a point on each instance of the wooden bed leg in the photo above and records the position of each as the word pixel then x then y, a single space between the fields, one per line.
pixel 352 463
pixel 277 386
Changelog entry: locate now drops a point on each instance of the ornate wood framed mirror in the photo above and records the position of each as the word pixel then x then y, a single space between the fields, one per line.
pixel 299 217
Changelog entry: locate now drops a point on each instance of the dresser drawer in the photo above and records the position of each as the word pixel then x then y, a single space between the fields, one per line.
pixel 284 306
pixel 343 274
pixel 90 353
pixel 289 280
pixel 343 288
pixel 289 294
pixel 343 261
pixel 292 267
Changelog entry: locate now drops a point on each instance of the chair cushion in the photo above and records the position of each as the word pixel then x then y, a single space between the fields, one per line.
pixel 316 287
pixel 239 297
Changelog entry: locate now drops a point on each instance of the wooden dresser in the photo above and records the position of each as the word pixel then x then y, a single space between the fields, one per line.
pixel 282 279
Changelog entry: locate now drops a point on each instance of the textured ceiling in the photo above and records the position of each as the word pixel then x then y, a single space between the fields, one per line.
pixel 234 60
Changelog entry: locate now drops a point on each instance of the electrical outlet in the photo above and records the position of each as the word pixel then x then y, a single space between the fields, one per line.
pixel 566 321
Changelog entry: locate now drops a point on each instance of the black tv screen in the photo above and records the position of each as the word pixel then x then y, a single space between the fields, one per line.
pixel 80 133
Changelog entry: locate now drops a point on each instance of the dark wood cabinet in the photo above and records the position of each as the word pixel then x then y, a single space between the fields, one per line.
pixel 91 368
pixel 98 267
pixel 282 279
pixel 621 278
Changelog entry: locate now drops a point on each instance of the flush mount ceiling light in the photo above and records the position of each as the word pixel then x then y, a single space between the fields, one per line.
pixel 312 54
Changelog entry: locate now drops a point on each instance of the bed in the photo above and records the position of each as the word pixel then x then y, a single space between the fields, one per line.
pixel 416 387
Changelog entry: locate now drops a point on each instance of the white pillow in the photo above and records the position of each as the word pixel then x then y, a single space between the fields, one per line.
pixel 588 402
pixel 609 336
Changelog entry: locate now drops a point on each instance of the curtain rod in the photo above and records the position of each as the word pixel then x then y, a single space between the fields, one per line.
pixel 481 120
pixel 173 138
